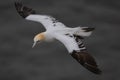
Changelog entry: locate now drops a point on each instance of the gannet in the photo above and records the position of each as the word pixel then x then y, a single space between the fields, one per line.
pixel 72 38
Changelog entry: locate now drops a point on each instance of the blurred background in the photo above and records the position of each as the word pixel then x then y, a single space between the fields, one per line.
pixel 51 61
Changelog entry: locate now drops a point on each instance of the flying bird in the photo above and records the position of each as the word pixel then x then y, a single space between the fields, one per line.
pixel 72 38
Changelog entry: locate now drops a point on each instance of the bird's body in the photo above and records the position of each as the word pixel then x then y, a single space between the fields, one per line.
pixel 70 37
pixel 49 35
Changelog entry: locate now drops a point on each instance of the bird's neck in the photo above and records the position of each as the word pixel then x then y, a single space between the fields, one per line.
pixel 40 36
pixel 47 36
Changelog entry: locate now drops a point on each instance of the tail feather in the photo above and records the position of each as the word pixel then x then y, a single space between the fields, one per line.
pixel 88 29
pixel 87 61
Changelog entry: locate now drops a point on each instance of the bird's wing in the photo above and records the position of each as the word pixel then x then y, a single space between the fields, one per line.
pixel 78 51
pixel 84 58
pixel 68 41
pixel 28 13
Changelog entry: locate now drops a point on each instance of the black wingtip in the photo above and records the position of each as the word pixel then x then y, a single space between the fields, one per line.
pixel 88 29
pixel 93 69
pixel 18 5
pixel 17 2
pixel 23 10
pixel 87 61
pixel 98 71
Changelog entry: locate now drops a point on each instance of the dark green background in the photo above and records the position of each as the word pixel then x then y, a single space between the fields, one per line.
pixel 51 61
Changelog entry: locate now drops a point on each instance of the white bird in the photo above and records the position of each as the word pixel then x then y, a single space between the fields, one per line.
pixel 70 37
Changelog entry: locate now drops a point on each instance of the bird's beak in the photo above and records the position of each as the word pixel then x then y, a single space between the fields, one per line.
pixel 34 44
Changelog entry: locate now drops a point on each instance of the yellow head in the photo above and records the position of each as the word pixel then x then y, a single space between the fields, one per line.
pixel 39 37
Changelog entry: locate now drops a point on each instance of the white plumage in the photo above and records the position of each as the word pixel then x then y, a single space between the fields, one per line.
pixel 48 22
pixel 70 37
pixel 57 30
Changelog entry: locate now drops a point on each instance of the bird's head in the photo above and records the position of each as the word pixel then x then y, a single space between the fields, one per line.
pixel 38 38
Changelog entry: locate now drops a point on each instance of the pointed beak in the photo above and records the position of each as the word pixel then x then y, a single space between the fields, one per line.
pixel 34 44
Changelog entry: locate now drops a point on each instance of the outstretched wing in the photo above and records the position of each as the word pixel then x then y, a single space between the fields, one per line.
pixel 24 11
pixel 84 58
pixel 78 51
pixel 28 13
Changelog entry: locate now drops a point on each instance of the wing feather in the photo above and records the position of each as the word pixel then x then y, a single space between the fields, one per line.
pixel 23 10
pixel 78 51
pixel 68 41
pixel 84 58
pixel 47 21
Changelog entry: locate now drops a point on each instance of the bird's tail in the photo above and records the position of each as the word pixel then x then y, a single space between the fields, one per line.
pixel 83 31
